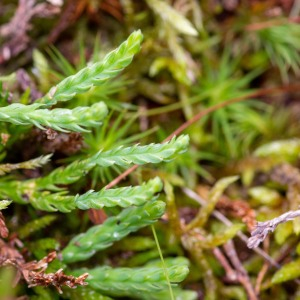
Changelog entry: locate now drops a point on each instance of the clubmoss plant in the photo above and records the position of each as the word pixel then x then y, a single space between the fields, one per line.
pixel 51 192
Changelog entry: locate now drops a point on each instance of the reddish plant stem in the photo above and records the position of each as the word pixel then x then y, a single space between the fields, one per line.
pixel 201 114
pixel 264 268
pixel 242 275
pixel 230 273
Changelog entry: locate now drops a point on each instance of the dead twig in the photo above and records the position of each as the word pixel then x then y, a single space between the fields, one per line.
pixel 33 272
pixel 263 270
pixel 16 30
pixel 238 274
pixel 230 273
pixel 227 222
pixel 201 114
pixel 262 229
pixel 241 273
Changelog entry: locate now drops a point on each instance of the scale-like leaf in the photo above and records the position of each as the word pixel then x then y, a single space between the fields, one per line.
pixel 59 119
pixel 30 164
pixel 4 204
pixel 123 197
pixel 133 282
pixel 99 237
pixel 35 225
pixel 97 73
pixel 153 153
pixel 53 201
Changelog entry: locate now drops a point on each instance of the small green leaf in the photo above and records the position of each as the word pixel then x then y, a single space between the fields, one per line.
pixel 96 74
pixel 123 197
pixel 35 225
pixel 152 153
pixel 4 204
pixel 83 293
pixel 173 17
pixel 59 118
pixel 285 150
pixel 213 198
pixel 99 237
pixel 218 239
pixel 265 196
pixel 53 201
pixel 288 272
pixel 282 232
pixel 133 282
pixel 30 164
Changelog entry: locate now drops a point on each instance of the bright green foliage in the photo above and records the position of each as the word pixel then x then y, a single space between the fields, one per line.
pixel 172 17
pixel 197 56
pixel 97 73
pixel 283 232
pixel 85 293
pixel 235 127
pixel 53 202
pixel 62 202
pixel 99 237
pixel 285 150
pixel 59 118
pixel 133 282
pixel 49 193
pixel 177 292
pixel 169 261
pixel 135 243
pixel 139 155
pixel 104 92
pixel 123 197
pixel 18 191
pixel 4 204
pixel 25 192
pixel 264 195
pixel 30 164
pixel 35 225
pixel 282 46
pixel 66 175
pixel 111 135
pixel 288 272
pixel 220 238
pixel 42 293
pixel 42 247
pixel 153 153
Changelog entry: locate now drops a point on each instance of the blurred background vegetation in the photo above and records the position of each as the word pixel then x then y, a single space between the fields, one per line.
pixel 195 55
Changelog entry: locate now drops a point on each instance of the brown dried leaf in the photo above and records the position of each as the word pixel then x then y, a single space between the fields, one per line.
pixel 52 141
pixel 9 255
pixel 235 208
pixel 57 279
pixel 33 272
pixel 238 209
pixel 16 30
